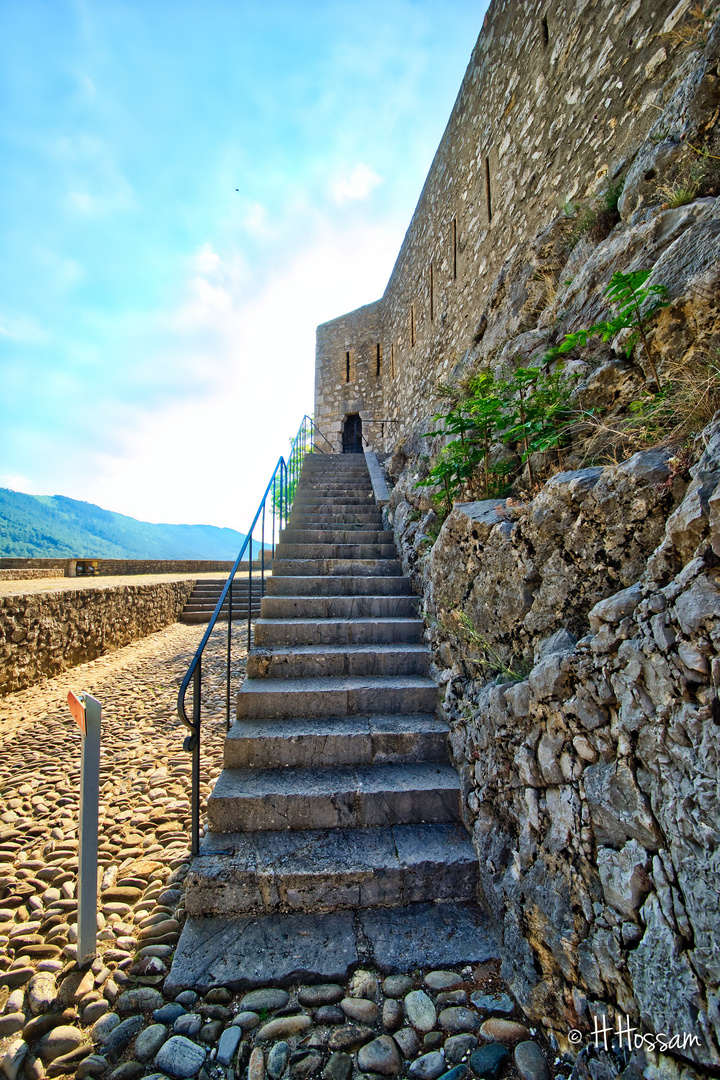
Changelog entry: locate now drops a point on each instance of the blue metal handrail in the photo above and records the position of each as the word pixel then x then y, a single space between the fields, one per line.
pixel 280 491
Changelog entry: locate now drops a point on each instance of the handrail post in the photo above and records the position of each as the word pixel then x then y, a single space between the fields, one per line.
pixel 229 653
pixel 250 592
pixel 195 823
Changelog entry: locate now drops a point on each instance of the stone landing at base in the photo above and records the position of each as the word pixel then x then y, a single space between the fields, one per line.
pixel 242 953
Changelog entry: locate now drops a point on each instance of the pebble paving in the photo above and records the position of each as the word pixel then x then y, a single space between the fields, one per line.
pixel 112 1020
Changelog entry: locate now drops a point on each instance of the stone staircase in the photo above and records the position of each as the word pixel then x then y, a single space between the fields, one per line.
pixel 205 595
pixel 335 831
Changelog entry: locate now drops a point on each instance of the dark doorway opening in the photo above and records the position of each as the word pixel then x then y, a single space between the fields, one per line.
pixel 352 435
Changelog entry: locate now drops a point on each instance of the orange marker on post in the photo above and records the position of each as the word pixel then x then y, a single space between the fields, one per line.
pixel 86 712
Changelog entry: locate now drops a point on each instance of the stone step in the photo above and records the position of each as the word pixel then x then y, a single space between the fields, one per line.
pixel 337 522
pixel 204 616
pixel 336 506
pixel 335 536
pixel 335 463
pixel 281 950
pixel 323 630
pixel 335 740
pixel 319 871
pixel 313 585
pixel 341 696
pixel 344 797
pixel 333 491
pixel 286 550
pixel 309 502
pixel 319 661
pixel 337 568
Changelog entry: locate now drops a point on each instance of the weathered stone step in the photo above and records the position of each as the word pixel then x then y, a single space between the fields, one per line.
pixel 337 568
pixel 341 696
pixel 335 536
pixel 298 550
pixel 311 661
pixel 345 585
pixel 275 630
pixel 323 498
pixel 341 522
pixel 331 491
pixel 322 507
pixel 204 616
pixel 319 871
pixel 335 463
pixel 346 797
pixel 281 950
pixel 335 740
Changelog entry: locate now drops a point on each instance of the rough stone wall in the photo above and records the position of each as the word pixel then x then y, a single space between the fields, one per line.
pixel 555 101
pixel 42 634
pixel 114 567
pixel 576 627
pixel 582 697
pixel 27 575
pixel 346 374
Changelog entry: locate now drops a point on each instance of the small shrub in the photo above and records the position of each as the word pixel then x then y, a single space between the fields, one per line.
pixel 635 304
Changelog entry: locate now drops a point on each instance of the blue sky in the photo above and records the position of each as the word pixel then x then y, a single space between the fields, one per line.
pixel 156 324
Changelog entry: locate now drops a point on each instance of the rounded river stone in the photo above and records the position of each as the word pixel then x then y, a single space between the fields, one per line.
pixel 530 1061
pixel 457 1046
pixel 458 1019
pixel 270 999
pixel 495 1030
pixel 325 994
pixel 361 1009
pixel 442 980
pixel 284 1027
pixel 246 1020
pixel 229 1042
pixel 277 1060
pixel 380 1056
pixel 180 1057
pixel 420 1010
pixel 428 1067
pixel 149 1041
pixel 396 986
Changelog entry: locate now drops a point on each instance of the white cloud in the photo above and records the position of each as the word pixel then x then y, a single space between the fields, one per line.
pixel 208 458
pixel 17 482
pixel 357 185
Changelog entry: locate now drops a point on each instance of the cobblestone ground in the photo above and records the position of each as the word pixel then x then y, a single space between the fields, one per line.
pixel 112 1020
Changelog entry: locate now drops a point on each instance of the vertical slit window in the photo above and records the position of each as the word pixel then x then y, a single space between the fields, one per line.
pixel 487 189
pixel 454 249
pixel 545 31
pixel 392 360
pixel 412 324
pixel 432 294
pixel 378 360
pixel 347 367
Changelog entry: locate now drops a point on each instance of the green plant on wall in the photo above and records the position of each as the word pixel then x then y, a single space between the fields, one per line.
pixel 636 303
pixel 531 409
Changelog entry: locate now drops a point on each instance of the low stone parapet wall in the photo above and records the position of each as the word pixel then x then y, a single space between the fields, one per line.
pixel 42 634
pixel 118 567
pixel 28 574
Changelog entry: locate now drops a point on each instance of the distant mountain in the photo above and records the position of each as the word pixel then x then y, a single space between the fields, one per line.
pixel 53 526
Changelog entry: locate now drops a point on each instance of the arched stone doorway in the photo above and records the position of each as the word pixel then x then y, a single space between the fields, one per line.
pixel 352 435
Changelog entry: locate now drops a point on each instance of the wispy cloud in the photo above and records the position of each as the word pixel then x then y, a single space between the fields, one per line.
pixel 358 185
